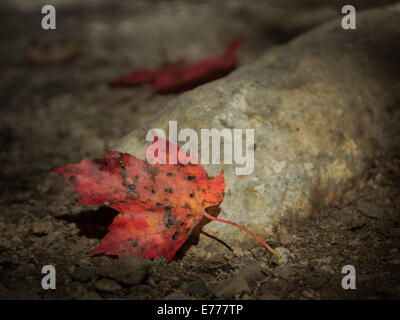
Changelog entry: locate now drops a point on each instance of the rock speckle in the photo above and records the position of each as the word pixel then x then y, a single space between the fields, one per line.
pixel 129 269
pixel 197 288
pixel 285 255
pixel 107 285
pixel 91 295
pixel 177 296
pixel 83 274
pixel 253 273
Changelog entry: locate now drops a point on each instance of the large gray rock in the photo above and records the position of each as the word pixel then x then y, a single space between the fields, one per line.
pixel 322 106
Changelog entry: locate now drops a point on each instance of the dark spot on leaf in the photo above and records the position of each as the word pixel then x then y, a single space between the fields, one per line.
pixel 73 179
pixel 169 190
pixel 190 178
pixel 192 195
pixel 175 235
pixel 169 174
pixel 135 244
pixel 132 187
pixel 121 164
pixel 152 191
pixel 159 204
pixel 168 209
pixel 153 171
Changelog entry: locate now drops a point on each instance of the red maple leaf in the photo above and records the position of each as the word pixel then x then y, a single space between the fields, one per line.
pixel 178 77
pixel 159 204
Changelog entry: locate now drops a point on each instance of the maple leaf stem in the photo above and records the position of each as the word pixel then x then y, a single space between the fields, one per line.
pixel 205 214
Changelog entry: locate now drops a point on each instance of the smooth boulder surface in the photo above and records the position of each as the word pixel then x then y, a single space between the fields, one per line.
pixel 322 107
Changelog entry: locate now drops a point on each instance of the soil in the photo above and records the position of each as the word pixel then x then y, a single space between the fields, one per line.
pixel 58 113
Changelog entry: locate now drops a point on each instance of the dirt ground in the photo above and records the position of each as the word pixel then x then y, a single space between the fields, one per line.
pixel 58 113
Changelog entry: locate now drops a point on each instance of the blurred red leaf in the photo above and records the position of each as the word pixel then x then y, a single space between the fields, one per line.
pixel 175 78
